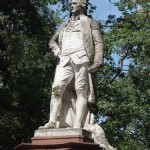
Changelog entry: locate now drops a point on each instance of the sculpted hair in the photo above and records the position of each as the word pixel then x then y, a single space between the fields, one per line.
pixel 83 2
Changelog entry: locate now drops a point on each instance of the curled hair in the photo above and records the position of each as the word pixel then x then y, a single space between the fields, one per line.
pixel 84 3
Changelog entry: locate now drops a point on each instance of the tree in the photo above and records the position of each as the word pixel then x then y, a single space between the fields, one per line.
pixel 124 88
pixel 26 68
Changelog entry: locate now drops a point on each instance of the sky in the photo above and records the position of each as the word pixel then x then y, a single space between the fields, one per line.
pixel 104 8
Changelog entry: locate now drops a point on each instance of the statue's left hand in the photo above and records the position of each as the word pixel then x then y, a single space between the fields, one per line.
pixel 95 67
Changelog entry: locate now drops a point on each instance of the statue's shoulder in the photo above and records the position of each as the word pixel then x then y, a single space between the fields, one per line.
pixel 94 23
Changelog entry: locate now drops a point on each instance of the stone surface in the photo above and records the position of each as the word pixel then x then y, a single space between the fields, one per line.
pixel 62 132
pixel 78 44
pixel 60 139
pixel 51 136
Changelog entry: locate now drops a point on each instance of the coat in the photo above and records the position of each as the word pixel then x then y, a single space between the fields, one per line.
pixel 93 43
pixel 92 39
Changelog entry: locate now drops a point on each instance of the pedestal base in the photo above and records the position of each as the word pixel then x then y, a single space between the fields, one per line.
pixel 60 139
pixel 62 146
pixel 51 136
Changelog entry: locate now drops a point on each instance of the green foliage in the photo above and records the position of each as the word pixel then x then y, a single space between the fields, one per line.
pixel 124 85
pixel 26 68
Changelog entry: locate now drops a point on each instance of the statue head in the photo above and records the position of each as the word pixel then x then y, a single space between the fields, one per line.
pixel 78 7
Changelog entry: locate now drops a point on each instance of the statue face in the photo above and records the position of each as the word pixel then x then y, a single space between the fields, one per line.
pixel 76 7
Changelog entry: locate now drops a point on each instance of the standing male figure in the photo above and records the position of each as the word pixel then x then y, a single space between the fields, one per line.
pixel 78 44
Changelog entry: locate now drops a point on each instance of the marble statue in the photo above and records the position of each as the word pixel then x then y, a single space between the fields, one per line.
pixel 79 46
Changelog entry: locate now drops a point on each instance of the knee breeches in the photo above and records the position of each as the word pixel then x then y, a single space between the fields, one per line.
pixel 65 74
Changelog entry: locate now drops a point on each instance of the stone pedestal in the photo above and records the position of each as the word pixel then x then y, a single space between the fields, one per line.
pixel 51 136
pixel 60 139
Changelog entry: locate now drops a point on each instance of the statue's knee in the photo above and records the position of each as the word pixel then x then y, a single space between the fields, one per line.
pixel 56 91
pixel 81 93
